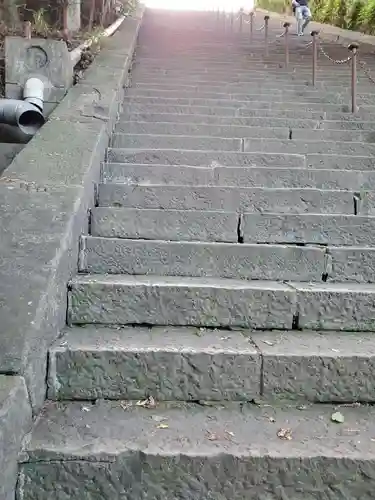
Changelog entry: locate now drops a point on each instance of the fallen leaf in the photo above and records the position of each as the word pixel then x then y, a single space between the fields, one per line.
pixel 301 407
pixel 85 408
pixel 230 433
pixel 284 434
pixel 212 436
pixel 125 405
pixel 147 403
pixel 338 417
pixel 158 418
pixel 225 338
pixel 162 426
pixel 268 342
pixel 271 419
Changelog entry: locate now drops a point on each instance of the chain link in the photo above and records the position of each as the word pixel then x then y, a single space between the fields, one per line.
pixel 261 28
pixel 366 71
pixel 335 61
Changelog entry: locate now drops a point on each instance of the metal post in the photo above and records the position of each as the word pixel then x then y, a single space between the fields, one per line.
pixel 251 25
pixel 286 35
pixel 231 20
pixel 266 19
pixel 353 47
pixel 241 20
pixel 314 35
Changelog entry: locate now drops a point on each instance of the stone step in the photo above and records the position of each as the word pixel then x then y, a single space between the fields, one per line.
pixel 203 158
pixel 222 450
pixel 232 199
pixel 172 225
pixel 311 229
pixel 248 96
pixel 279 104
pixel 178 157
pixel 220 303
pixel 149 141
pixel 211 302
pixel 238 176
pixel 350 264
pixel 233 131
pixel 191 364
pixel 222 260
pixel 200 114
pixel 185 364
pixel 308 147
pixel 193 129
pixel 279 87
pixel 263 122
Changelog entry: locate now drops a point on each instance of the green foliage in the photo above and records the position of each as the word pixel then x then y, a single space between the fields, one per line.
pixel 356 15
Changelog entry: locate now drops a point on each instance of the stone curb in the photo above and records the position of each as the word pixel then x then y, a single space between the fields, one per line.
pixel 46 193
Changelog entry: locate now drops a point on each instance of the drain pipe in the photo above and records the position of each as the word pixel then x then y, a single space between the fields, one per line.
pixel 27 115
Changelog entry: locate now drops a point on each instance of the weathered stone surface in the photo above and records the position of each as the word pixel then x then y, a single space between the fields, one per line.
pixel 63 162
pixel 296 113
pixel 192 225
pixel 322 229
pixel 36 265
pixel 181 109
pixel 15 422
pixel 148 141
pixel 264 262
pixel 204 158
pixel 45 193
pixel 283 200
pixel 202 119
pixel 157 174
pixel 309 147
pixel 210 302
pixel 275 106
pixel 204 451
pixel 294 178
pixel 353 264
pixel 336 306
pixel 340 162
pixel 315 366
pixel 201 130
pixel 46 59
pixel 172 364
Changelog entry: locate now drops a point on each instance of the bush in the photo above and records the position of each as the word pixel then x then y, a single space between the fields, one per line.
pixel 356 15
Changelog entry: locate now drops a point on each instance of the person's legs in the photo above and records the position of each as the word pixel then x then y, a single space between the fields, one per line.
pixel 306 16
pixel 299 19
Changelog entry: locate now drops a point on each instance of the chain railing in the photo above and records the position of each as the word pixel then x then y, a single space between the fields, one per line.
pixel 316 48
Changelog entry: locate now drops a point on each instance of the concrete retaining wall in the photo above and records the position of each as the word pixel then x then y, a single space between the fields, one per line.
pixel 45 196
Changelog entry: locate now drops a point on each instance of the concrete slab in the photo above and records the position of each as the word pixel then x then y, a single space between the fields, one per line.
pixel 169 300
pixel 172 364
pixel 193 442
pixel 222 260
pixel 174 225
pixel 232 199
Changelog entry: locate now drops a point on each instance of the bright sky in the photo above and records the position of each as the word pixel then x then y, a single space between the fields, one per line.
pixel 227 5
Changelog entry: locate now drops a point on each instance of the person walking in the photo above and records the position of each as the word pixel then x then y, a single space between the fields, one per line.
pixel 302 13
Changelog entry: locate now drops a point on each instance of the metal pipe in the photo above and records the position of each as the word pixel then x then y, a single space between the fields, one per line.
pixel 353 47
pixel 75 55
pixel 27 115
pixel 266 19
pixel 241 20
pixel 286 35
pixel 314 35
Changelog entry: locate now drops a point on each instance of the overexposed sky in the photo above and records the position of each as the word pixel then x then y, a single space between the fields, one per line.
pixel 227 5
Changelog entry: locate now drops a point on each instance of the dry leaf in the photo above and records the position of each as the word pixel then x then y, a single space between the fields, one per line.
pixel 271 419
pixel 212 436
pixel 338 417
pixel 125 405
pixel 284 434
pixel 147 403
pixel 268 342
pixel 162 426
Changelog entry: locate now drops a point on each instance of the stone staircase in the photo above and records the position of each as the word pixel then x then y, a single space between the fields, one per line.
pixel 225 291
